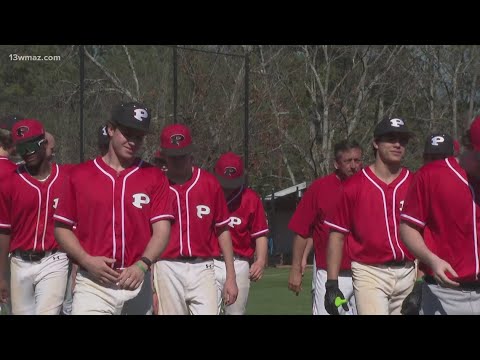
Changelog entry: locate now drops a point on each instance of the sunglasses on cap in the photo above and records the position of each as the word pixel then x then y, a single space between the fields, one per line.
pixel 29 147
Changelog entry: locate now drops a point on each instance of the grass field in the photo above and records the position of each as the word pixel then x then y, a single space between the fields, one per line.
pixel 270 296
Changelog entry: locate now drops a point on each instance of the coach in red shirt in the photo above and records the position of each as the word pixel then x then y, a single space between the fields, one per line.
pixel 443 198
pixel 383 271
pixel 248 227
pixel 122 210
pixel 308 221
pixel 28 197
pixel 184 276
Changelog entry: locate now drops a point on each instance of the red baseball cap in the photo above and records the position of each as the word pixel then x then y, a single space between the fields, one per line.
pixel 229 170
pixel 475 133
pixel 27 130
pixel 176 140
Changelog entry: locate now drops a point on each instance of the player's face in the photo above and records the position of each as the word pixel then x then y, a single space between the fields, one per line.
pixel 125 141
pixel 179 165
pixel 470 161
pixel 32 152
pixel 349 162
pixel 391 148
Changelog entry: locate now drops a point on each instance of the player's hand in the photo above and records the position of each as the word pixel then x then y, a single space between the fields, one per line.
pixel 230 291
pixel 256 270
pixel 412 303
pixel 295 280
pixel 131 278
pixel 439 268
pixel 334 298
pixel 4 291
pixel 100 268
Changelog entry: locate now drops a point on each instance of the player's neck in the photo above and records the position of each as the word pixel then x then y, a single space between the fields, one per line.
pixel 3 152
pixel 386 172
pixel 117 164
pixel 40 172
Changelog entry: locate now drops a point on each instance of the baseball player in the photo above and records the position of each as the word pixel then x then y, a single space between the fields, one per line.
pixel 184 277
pixel 122 209
pixel 7 149
pixel 28 198
pixel 442 198
pixel 248 228
pixel 383 271
pixel 438 146
pixel 320 199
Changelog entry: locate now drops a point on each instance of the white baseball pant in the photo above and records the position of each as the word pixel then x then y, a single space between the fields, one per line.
pixel 92 298
pixel 242 270
pixel 185 286
pixel 381 289
pixel 38 287
pixel 345 285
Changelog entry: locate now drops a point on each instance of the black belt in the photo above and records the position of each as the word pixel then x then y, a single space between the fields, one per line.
pixel 31 255
pixel 235 257
pixel 192 258
pixel 394 263
pixel 468 286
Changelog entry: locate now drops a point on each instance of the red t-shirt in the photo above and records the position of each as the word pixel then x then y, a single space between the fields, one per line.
pixel 441 199
pixel 6 166
pixel 114 212
pixel 370 209
pixel 247 221
pixel 201 208
pixel 320 199
pixel 27 206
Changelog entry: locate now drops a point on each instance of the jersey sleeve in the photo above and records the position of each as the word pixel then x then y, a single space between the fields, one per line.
pixel 162 200
pixel 259 226
pixel 5 203
pixel 66 211
pixel 221 213
pixel 340 218
pixel 303 218
pixel 415 206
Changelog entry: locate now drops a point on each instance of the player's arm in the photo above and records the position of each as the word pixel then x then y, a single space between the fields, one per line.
pixel 413 240
pixel 98 266
pixel 306 253
pixel 261 250
pixel 298 249
pixel 334 254
pixel 230 290
pixel 4 265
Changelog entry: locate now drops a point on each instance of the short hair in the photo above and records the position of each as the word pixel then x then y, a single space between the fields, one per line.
pixel 6 139
pixel 345 145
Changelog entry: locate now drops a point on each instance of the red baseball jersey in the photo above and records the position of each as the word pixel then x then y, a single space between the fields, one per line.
pixel 6 166
pixel 113 212
pixel 442 199
pixel 370 210
pixel 201 208
pixel 247 221
pixel 27 206
pixel 320 199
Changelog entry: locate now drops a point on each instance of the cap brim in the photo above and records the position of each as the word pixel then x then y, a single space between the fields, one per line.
pixel 179 151
pixel 229 183
pixel 129 126
pixel 408 133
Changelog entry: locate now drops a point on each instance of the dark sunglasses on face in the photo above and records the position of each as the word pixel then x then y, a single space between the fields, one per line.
pixel 29 147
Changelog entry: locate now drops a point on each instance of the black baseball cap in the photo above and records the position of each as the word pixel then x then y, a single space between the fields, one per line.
pixel 8 121
pixel 439 143
pixel 133 115
pixel 391 126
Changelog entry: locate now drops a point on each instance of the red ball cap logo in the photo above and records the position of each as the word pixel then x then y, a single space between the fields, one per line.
pixel 26 130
